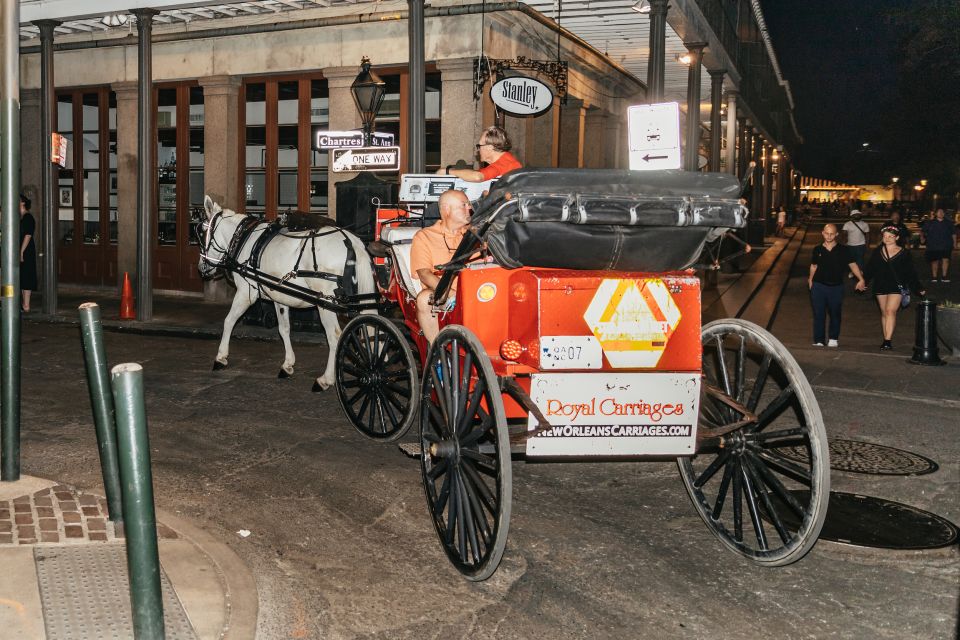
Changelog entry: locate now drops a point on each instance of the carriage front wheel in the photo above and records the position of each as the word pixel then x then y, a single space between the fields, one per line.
pixel 465 453
pixel 761 476
pixel 376 378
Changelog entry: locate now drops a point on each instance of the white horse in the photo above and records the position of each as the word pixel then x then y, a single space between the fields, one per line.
pixel 325 254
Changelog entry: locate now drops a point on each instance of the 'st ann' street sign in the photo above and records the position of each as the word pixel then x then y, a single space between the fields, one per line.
pixel 366 159
pixel 323 140
pixel 654 132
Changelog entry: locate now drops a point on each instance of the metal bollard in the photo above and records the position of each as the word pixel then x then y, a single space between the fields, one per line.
pixel 140 520
pixel 101 402
pixel 925 350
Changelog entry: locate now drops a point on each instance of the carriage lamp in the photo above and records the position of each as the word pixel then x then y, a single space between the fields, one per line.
pixel 511 350
pixel 486 292
pixel 368 91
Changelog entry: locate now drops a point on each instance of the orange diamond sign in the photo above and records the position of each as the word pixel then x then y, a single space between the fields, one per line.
pixel 633 321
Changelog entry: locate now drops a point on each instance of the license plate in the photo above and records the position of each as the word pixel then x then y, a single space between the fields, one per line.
pixel 570 352
pixel 615 414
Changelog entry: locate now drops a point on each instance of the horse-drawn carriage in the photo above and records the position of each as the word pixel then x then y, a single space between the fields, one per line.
pixel 577 334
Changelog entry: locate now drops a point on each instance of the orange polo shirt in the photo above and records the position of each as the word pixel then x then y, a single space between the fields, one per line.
pixel 433 245
pixel 503 164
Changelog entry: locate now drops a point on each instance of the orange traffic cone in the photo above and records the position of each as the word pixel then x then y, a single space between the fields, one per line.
pixel 126 300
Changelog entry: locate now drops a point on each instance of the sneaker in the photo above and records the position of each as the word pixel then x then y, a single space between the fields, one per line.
pixel 886 346
pixel 944 279
pixel 832 343
pixel 818 344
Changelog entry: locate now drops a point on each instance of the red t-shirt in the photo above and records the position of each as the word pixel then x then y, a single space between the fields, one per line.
pixel 506 162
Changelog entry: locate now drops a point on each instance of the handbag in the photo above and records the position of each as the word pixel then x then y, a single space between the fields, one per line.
pixel 904 291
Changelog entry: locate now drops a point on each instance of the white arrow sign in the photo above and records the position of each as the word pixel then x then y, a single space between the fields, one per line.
pixel 654 133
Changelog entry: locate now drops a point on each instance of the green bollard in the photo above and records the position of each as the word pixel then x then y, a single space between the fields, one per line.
pixel 139 518
pixel 101 401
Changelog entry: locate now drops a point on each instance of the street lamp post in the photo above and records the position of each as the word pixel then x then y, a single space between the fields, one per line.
pixel 368 91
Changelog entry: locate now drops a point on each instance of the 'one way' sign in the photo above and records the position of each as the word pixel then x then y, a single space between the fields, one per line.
pixel 366 159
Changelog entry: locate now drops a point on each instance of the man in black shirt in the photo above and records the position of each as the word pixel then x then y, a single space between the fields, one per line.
pixel 827 270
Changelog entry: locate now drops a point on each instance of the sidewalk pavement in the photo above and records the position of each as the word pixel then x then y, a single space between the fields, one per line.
pixel 64 571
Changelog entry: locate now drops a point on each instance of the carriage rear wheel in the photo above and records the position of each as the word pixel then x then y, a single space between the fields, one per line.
pixel 465 459
pixel 754 401
pixel 376 378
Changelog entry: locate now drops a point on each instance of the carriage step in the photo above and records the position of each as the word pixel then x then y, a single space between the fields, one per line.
pixel 410 449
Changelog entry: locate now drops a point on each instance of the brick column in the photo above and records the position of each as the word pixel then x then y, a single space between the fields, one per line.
pixel 594 140
pixel 544 147
pixel 221 155
pixel 461 119
pixel 343 117
pixel 572 122
pixel 126 179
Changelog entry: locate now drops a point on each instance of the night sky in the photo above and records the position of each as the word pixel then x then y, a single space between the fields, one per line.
pixel 839 57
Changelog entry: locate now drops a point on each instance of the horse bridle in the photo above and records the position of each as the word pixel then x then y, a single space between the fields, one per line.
pixel 207 239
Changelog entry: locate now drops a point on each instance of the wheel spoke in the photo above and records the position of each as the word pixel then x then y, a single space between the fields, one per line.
pixel 437 419
pixel 760 381
pixel 711 469
pixel 387 408
pixel 461 518
pixel 438 468
pixel 773 409
pixel 479 431
pixel 766 436
pixel 472 405
pixel 439 392
pixel 740 379
pixel 479 517
pixel 785 536
pixel 392 399
pixel 350 384
pixel 737 502
pixel 722 491
pixel 359 350
pixel 454 383
pixel 399 374
pixel 469 521
pixel 350 370
pixel 482 489
pixel 443 496
pixel 480 459
pixel 749 492
pixel 774 483
pixel 785 466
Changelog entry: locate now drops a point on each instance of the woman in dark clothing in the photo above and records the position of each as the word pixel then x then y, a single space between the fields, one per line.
pixel 28 252
pixel 890 267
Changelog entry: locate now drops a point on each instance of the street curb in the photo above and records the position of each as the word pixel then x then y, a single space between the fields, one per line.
pixel 240 588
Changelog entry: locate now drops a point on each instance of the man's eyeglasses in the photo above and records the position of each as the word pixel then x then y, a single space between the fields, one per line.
pixel 485 144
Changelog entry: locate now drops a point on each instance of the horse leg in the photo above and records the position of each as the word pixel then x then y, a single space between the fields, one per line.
pixel 241 302
pixel 331 327
pixel 283 326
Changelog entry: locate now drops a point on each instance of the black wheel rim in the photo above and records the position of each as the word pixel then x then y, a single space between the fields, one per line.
pixel 758 502
pixel 466 483
pixel 376 378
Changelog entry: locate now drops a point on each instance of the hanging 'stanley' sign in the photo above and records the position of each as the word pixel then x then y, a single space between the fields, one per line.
pixel 521 96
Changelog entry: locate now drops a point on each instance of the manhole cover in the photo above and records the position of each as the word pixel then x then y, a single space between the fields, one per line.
pixel 865 457
pixel 410 449
pixel 865 521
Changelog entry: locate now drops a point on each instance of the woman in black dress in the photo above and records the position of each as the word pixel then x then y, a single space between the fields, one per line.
pixel 890 267
pixel 28 252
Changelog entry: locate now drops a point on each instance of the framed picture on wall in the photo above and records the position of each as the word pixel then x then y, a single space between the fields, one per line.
pixel 66 196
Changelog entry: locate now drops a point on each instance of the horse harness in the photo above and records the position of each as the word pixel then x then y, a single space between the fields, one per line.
pixel 345 297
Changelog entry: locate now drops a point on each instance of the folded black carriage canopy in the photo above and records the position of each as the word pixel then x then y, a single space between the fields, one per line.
pixel 603 219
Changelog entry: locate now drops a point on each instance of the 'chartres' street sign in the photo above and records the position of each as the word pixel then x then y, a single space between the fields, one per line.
pixel 366 159
pixel 323 140
pixel 654 132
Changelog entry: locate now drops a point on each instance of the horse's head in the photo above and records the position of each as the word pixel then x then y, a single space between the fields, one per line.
pixel 214 235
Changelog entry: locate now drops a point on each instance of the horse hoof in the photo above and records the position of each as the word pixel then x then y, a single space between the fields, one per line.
pixel 217 365
pixel 283 374
pixel 317 387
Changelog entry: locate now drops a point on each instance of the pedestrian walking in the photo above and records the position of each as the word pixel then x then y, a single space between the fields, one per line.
pixel 891 273
pixel 856 232
pixel 829 263
pixel 941 240
pixel 781 221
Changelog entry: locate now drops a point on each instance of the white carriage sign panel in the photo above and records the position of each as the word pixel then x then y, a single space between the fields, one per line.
pixel 654 136
pixel 366 159
pixel 521 96
pixel 615 414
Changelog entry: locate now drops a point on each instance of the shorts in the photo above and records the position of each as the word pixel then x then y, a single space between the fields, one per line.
pixel 932 255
